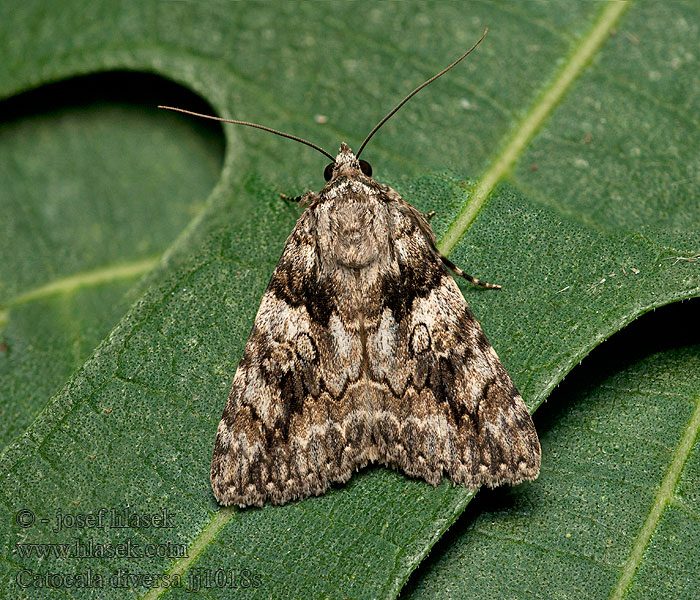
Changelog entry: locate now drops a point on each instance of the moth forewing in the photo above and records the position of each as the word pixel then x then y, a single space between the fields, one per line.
pixel 364 350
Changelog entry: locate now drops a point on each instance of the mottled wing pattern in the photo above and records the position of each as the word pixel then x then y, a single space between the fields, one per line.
pixel 384 363
pixel 450 408
pixel 284 433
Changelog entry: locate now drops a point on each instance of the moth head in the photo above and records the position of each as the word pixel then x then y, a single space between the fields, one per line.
pixel 346 163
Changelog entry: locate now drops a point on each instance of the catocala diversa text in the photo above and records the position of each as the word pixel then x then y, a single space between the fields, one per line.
pixel 364 350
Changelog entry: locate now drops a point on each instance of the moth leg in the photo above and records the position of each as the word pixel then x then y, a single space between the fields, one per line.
pixel 457 271
pixel 429 215
pixel 303 200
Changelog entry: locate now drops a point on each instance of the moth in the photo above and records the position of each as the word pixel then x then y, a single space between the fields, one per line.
pixel 365 351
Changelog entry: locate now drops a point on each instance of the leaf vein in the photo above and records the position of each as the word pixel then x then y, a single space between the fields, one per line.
pixel 528 126
pixel 663 497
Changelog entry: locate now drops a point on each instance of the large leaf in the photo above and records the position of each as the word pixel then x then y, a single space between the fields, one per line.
pixel 580 240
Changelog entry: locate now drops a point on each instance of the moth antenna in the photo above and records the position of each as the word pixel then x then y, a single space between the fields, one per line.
pixel 280 133
pixel 414 92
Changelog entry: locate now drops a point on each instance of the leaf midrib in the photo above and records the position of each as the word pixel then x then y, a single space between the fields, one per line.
pixel 528 126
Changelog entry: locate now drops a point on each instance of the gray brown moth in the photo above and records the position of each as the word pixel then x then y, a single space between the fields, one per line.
pixel 365 351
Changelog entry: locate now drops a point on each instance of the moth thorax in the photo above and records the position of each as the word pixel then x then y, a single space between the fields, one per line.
pixel 360 236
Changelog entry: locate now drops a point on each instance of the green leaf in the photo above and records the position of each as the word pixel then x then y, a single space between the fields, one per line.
pixel 583 244
pixel 88 166
pixel 614 512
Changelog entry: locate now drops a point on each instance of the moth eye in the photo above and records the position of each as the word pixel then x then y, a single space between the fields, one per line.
pixel 366 168
pixel 328 172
